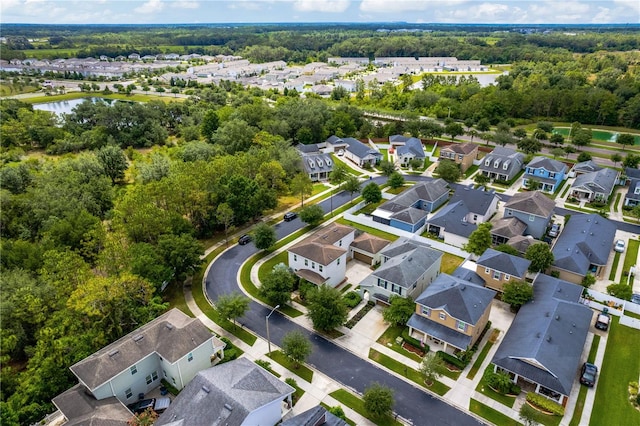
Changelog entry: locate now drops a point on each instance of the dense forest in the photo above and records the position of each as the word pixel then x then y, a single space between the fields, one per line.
pixel 102 206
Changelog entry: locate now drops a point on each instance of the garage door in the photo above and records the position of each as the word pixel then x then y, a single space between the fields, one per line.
pixel 362 257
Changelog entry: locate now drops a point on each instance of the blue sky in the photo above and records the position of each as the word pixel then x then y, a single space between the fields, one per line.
pixel 223 11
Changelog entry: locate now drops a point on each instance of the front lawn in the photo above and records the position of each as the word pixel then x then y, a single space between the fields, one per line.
pixel 357 405
pixel 483 354
pixel 484 389
pixel 389 337
pixel 614 267
pixel 488 413
pixel 620 366
pixel 302 371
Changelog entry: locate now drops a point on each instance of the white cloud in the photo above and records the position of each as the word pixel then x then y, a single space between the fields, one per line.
pixel 185 4
pixel 245 4
pixel 335 6
pixel 631 4
pixel 8 4
pixel 387 6
pixel 150 7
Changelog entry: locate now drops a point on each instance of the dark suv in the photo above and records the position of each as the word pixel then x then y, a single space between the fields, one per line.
pixel 142 406
pixel 288 217
pixel 588 374
pixel 244 239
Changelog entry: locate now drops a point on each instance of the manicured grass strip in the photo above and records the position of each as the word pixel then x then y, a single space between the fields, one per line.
pixel 357 405
pixel 348 420
pixel 471 170
pixel 478 363
pixel 267 266
pixel 302 371
pixel 450 262
pixel 546 419
pixel 389 337
pixel 174 294
pixel 484 389
pixel 368 230
pixel 488 413
pixel 631 257
pixel 620 366
pixel 631 314
pixel 564 192
pixel 582 395
pixel 403 370
pixel 617 203
pixel 614 267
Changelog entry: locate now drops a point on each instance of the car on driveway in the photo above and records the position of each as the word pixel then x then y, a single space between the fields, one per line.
pixel 603 319
pixel 619 247
pixel 142 406
pixel 288 217
pixel 554 231
pixel 244 239
pixel 635 298
pixel 588 374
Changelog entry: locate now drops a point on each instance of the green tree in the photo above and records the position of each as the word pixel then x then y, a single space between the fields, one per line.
pixel 225 216
pixel 616 158
pixel 541 257
pixel 588 280
pixel 483 125
pixel 582 137
pixel 338 412
pixel 378 400
pixel 302 185
pixel 264 236
pixel 399 310
pixel 232 306
pixel 372 193
pixel 584 156
pixel 396 180
pixel 557 139
pixel 339 174
pixel 182 253
pixel 520 133
pixel 557 152
pixel 448 170
pixel 312 214
pixel 210 123
pixel 386 167
pixel 625 139
pixel 621 291
pixel 529 145
pixel 113 161
pixel 635 212
pixel 631 160
pixel 453 129
pixel 479 240
pixel 432 367
pixel 506 248
pixel 351 185
pixel 517 293
pixel 481 179
pixel 326 308
pixel 545 126
pixel 278 285
pixel 296 347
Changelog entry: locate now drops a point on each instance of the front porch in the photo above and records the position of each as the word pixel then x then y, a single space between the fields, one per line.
pixel 527 385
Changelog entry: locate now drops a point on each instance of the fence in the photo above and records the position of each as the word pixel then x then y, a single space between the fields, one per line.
pixel 616 306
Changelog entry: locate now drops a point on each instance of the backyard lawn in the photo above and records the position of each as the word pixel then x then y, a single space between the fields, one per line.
pixel 450 263
pixel 620 366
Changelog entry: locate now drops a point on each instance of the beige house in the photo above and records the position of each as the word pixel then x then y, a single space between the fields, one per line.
pixel 461 153
pixel 497 268
pixel 451 311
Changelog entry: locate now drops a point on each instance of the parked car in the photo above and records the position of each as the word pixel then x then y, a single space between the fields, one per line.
pixel 244 239
pixel 619 247
pixel 603 320
pixel 554 231
pixel 288 217
pixel 142 406
pixel 635 298
pixel 588 374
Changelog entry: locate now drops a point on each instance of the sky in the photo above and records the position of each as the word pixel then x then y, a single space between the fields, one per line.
pixel 235 11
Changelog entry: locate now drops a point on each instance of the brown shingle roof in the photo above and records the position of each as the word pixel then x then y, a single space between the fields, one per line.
pixel 460 148
pixel 533 202
pixel 319 247
pixel 369 243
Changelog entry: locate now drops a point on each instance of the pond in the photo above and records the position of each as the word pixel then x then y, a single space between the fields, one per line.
pixel 66 106
pixel 598 134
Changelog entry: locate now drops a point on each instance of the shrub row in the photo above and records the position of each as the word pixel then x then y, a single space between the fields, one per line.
pixel 501 383
pixel 351 299
pixel 545 404
pixel 413 341
pixel 230 351
pixel 453 360
pixel 361 313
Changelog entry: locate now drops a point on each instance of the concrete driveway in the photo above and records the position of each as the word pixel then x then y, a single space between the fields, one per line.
pixel 357 271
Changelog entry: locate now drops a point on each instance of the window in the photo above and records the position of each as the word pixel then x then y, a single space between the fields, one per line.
pixel 637 190
pixel 128 393
pixel 531 218
pixel 173 379
pixel 496 275
pixel 164 373
pixel 459 157
pixel 154 375
pixel 505 166
pixel 313 265
pixel 552 175
pixel 148 379
pixel 396 289
pixel 306 262
pixel 487 270
pixel 461 326
pixel 475 217
pixel 487 162
pixel 443 316
pixel 295 257
pixel 426 311
pixel 509 212
pixel 190 357
pixel 340 243
pixel 134 370
pixel 507 277
pixel 382 283
pixel 496 164
pixel 320 268
pixel 338 261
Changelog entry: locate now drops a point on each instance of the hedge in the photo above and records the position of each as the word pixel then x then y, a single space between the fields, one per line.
pixel 453 360
pixel 351 299
pixel 545 404
pixel 413 341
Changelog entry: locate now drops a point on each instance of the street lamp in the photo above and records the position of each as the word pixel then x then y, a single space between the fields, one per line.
pixel 267 321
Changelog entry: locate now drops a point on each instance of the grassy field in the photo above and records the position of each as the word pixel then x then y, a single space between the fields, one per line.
pixel 357 405
pixel 302 371
pixel 117 96
pixel 12 89
pixel 620 366
pixel 582 395
pixel 488 413
pixel 174 294
pixel 267 266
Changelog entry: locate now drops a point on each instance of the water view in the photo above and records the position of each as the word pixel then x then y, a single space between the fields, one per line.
pixel 66 106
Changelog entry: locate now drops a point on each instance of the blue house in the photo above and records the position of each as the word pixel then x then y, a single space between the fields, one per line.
pixel 408 211
pixel 548 173
pixel 532 208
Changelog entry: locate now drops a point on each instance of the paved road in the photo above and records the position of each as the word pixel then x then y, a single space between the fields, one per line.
pixel 339 364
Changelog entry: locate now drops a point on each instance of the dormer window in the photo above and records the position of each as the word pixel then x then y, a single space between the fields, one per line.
pixel 487 162
pixel 637 190
pixel 496 164
pixel 505 166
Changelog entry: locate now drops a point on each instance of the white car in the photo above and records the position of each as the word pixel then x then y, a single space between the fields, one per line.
pixel 619 247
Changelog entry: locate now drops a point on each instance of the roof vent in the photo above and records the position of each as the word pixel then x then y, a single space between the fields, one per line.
pixel 206 389
pixel 114 352
pixel 548 338
pixel 570 331
pixel 462 288
pixel 574 324
pixel 547 314
pixel 169 326
pixel 557 317
pixel 228 407
pixel 591 233
pixel 538 335
pixel 138 337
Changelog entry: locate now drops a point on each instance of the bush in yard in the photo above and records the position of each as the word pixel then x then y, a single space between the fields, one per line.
pixel 264 364
pixel 517 293
pixel 453 360
pixel 296 347
pixel 432 367
pixel 501 383
pixel 399 310
pixel 545 404
pixel 338 412
pixel 326 308
pixel 412 340
pixel 351 299
pixel 528 415
pixel 378 400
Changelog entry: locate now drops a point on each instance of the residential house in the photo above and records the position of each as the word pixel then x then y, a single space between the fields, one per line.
pixel 407 267
pixel 451 311
pixel 462 154
pixel 533 208
pixel 583 247
pixel 322 257
pixel 632 198
pixel 236 393
pixel 406 149
pixel 585 167
pixel 80 408
pixel 315 416
pixel 361 154
pixel 521 243
pixel 317 165
pixel 505 228
pixel 336 145
pixel 468 275
pixel 458 219
pixel 173 346
pixel 544 345
pixel 545 174
pixel 632 173
pixel 497 268
pixel 366 248
pixel 502 164
pixel 408 210
pixel 595 186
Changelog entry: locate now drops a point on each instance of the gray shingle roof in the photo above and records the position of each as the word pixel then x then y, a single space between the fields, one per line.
pixel 548 164
pixel 632 172
pixel 439 331
pixel 531 202
pixel 515 161
pixel 503 262
pixel 461 299
pixel 225 394
pixel 586 239
pixel 602 180
pixel 317 162
pixel 309 148
pixel 427 191
pixel 315 416
pixel 522 242
pixel 631 193
pixel 360 149
pixel 549 331
pixel 410 215
pixel 508 227
pixel 171 335
pixel 450 218
pixel 586 167
pixel 80 408
pixel 468 275
pixel 460 148
pixel 369 243
pixel 413 146
pixel 408 261
pixel 398 138
pixel 478 201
